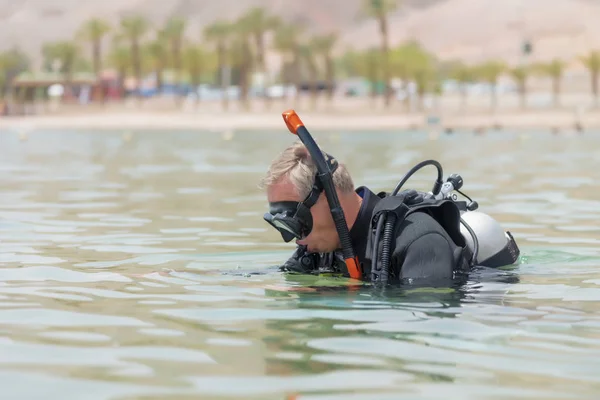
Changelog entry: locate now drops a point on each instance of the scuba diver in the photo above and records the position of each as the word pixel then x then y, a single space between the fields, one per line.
pixel 403 236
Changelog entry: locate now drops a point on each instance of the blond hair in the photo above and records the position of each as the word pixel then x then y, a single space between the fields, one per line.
pixel 296 163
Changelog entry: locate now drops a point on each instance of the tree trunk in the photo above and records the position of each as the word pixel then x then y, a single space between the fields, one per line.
pixel 329 77
pixel 383 26
pixel 523 92
pixel 595 87
pixel 556 91
pixel 245 69
pixel 121 82
pixel 314 85
pixel 97 60
pixel 195 81
pixel 494 103
pixel 421 89
pixel 373 75
pixel 260 57
pixel 296 75
pixel 68 78
pixel 463 95
pixel 176 52
pixel 159 78
pixel 224 86
pixel 137 66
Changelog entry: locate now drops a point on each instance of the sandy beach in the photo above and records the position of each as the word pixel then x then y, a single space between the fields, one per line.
pixel 343 115
pixel 143 120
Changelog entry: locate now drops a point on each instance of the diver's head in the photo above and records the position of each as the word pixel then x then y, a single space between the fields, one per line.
pixel 298 206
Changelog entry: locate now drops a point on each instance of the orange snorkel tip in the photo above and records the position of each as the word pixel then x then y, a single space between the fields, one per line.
pixel 292 121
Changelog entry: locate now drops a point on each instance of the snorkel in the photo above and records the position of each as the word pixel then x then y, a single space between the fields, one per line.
pixel 325 176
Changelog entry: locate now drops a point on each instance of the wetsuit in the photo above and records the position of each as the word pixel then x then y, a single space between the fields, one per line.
pixel 422 249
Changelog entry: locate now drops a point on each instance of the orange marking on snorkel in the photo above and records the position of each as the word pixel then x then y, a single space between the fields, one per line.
pixel 292 120
pixel 353 268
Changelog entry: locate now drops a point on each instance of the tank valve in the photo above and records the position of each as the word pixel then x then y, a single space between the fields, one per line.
pixel 456 180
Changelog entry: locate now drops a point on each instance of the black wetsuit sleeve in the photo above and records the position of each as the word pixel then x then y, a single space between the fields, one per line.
pixel 423 250
pixel 427 257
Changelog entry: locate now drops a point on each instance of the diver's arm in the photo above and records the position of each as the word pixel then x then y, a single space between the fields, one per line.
pixel 429 256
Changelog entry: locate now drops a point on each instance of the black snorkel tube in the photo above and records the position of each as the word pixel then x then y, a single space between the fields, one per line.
pixel 296 126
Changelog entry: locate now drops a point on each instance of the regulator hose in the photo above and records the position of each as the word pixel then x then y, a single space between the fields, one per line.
pixel 436 186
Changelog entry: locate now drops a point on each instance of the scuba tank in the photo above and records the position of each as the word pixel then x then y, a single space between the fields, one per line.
pixel 486 239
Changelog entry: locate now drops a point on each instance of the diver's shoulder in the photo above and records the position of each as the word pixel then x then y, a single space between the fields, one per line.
pixel 419 223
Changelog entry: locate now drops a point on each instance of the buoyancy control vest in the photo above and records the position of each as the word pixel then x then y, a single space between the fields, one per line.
pixel 448 213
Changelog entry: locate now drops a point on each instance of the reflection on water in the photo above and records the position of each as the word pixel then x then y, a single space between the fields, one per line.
pixel 139 267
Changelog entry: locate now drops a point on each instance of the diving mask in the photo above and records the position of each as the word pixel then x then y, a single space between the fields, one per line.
pixel 293 219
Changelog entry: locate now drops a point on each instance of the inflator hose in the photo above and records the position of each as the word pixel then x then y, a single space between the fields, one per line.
pixel 385 252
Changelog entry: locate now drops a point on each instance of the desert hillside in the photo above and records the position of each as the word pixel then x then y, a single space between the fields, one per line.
pixel 468 29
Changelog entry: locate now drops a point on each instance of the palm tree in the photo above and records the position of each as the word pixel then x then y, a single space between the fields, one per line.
pixel 134 28
pixel 66 52
pixel 592 63
pixel 307 54
pixel 173 33
pixel 520 75
pixel 554 69
pixel 370 67
pixel 120 58
pixel 12 63
pixel 410 62
pixel 94 31
pixel 242 57
pixel 4 66
pixel 157 55
pixel 323 46
pixel 464 75
pixel 422 70
pixel 379 9
pixel 194 60
pixel 259 23
pixel 349 64
pixel 220 33
pixel 287 42
pixel 490 72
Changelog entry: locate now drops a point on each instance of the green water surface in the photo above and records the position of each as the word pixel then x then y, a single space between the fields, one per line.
pixel 136 265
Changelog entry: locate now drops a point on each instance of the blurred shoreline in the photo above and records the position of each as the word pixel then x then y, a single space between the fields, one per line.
pixel 346 114
pixel 317 121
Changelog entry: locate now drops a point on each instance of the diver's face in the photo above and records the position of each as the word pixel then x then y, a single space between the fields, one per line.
pixel 323 237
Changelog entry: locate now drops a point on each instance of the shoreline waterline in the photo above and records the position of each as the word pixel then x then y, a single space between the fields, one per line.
pixel 220 121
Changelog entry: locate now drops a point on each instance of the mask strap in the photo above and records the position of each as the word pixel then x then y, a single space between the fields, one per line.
pixel 317 187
